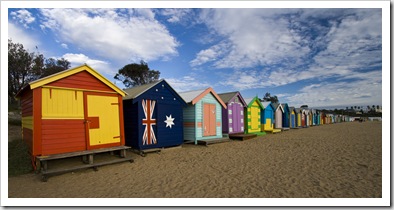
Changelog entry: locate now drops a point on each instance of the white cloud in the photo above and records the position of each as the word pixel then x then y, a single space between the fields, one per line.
pixel 210 54
pixel 18 35
pixel 254 36
pixel 291 45
pixel 124 36
pixel 65 46
pixel 176 15
pixel 341 93
pixel 79 59
pixel 186 83
pixel 23 16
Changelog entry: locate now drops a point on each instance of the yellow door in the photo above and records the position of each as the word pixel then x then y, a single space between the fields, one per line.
pixel 255 120
pixel 103 119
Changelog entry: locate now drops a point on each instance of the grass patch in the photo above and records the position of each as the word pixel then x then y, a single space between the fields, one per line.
pixel 19 161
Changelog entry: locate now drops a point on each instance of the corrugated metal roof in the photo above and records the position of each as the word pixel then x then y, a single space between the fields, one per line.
pixel 134 92
pixel 188 96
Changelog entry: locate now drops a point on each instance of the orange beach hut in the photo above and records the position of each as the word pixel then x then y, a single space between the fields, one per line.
pixel 74 110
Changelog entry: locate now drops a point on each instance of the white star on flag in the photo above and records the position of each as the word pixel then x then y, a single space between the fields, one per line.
pixel 169 121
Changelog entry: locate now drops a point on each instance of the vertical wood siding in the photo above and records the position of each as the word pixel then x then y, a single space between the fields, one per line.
pixel 278 118
pixel 209 98
pixel 62 104
pixel 225 118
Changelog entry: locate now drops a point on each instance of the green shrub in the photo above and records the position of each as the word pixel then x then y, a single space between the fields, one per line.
pixel 17 122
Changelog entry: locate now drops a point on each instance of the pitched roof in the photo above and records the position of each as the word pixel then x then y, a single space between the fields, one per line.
pixel 226 97
pixel 277 105
pixel 60 75
pixel 266 104
pixel 194 96
pixel 136 91
pixel 249 101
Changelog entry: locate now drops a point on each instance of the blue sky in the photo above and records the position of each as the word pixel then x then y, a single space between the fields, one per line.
pixel 320 57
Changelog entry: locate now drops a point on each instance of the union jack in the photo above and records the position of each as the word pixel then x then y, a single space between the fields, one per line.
pixel 149 134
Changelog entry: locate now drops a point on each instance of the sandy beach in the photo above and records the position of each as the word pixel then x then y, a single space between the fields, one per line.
pixel 341 160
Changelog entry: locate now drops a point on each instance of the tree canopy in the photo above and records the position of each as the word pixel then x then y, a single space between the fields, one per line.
pixel 268 97
pixel 24 67
pixel 137 74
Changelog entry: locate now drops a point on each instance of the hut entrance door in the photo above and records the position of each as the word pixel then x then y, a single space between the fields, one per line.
pixel 209 121
pixel 292 121
pixel 101 119
pixel 278 119
pixel 254 118
pixel 237 117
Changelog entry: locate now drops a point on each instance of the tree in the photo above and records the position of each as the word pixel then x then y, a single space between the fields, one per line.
pixel 20 71
pixel 137 74
pixel 53 66
pixel 268 97
pixel 24 67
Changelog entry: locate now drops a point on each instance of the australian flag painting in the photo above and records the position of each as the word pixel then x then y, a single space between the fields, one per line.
pixel 148 122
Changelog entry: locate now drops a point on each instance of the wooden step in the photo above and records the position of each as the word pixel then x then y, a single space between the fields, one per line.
pixel 51 172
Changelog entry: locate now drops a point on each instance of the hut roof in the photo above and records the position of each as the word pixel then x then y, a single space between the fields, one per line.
pixel 277 105
pixel 194 96
pixel 249 101
pixel 226 97
pixel 266 104
pixel 60 75
pixel 134 92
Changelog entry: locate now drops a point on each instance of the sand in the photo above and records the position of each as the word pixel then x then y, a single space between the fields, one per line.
pixel 342 160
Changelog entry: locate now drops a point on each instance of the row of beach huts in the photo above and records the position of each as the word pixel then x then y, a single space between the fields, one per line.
pixel 80 112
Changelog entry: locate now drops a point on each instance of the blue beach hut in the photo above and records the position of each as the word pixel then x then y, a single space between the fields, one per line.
pixel 153 116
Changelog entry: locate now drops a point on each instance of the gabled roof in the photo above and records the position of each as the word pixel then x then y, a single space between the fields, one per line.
pixel 135 92
pixel 226 97
pixel 266 104
pixel 194 96
pixel 298 110
pixel 60 75
pixel 285 106
pixel 291 108
pixel 250 101
pixel 277 106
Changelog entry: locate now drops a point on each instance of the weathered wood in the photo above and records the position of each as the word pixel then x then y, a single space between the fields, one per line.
pixel 242 136
pixel 80 153
pixel 207 142
pixel 95 166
